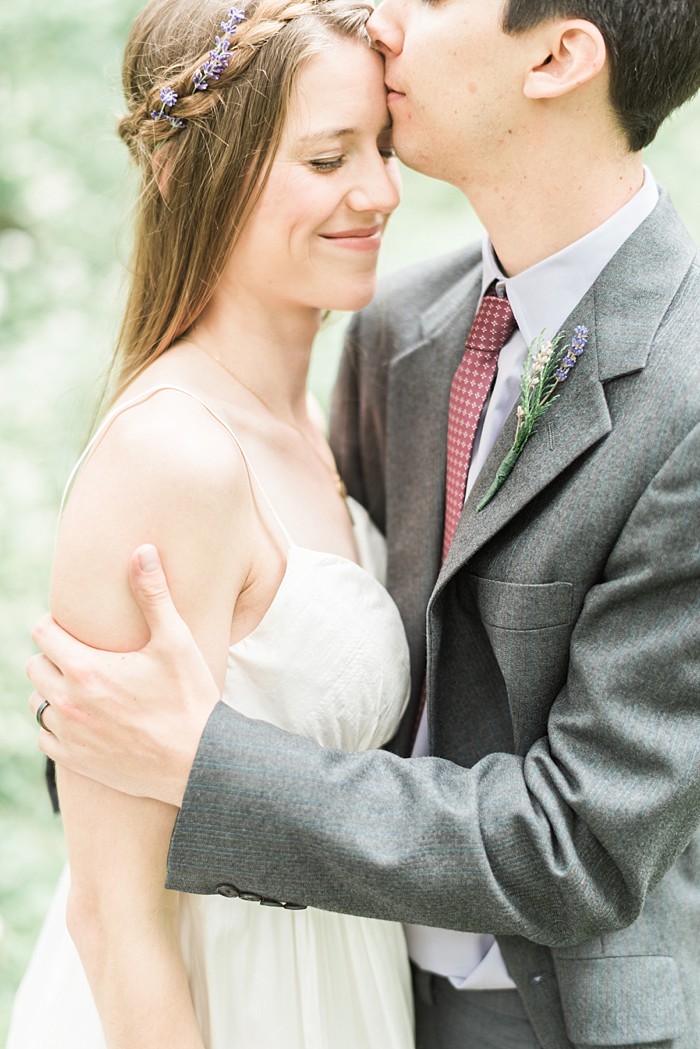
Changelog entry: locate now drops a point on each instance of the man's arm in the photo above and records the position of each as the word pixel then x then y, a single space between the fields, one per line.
pixel 544 846
pixel 558 846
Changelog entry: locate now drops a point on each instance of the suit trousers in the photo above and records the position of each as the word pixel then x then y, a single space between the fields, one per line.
pixel 451 1019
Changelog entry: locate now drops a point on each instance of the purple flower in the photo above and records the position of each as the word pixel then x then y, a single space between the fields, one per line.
pixel 579 340
pixel 199 80
pixel 212 69
pixel 233 18
pixel 173 121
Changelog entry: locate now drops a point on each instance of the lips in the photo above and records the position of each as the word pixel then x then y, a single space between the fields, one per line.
pixel 393 92
pixel 347 234
pixel 360 239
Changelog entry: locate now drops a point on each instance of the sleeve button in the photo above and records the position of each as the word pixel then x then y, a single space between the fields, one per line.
pixel 294 906
pixel 250 897
pixel 230 891
pixel 270 903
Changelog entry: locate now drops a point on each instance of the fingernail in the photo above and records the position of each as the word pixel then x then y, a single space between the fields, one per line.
pixel 148 559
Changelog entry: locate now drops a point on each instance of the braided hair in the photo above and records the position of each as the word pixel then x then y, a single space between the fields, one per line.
pixel 202 171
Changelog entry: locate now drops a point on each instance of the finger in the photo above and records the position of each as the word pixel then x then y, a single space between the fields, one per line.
pixel 59 646
pixel 47 722
pixel 151 592
pixel 44 675
pixel 35 701
pixel 50 745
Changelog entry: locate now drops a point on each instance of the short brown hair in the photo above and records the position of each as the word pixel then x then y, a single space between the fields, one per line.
pixel 653 53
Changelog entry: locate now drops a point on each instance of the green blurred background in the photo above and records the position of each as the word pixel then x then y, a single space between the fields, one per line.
pixel 65 190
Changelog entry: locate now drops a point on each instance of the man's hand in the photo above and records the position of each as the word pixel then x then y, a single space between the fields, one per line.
pixel 131 720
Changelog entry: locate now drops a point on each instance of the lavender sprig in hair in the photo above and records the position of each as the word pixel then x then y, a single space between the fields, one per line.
pixel 212 69
pixel 168 98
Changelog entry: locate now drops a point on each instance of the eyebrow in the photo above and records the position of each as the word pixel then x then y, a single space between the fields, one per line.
pixel 342 132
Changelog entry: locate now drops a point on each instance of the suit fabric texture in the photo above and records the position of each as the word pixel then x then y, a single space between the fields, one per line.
pixel 560 810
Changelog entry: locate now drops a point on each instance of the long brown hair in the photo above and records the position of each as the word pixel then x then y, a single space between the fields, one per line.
pixel 200 182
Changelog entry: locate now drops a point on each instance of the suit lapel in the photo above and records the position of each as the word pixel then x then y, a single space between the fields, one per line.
pixel 575 422
pixel 622 311
pixel 419 390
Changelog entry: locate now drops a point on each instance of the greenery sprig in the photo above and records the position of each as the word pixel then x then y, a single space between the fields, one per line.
pixel 547 365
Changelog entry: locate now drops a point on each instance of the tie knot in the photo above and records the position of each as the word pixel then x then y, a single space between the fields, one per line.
pixel 493 326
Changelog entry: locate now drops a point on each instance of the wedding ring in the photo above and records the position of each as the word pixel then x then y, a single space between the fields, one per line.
pixel 39 714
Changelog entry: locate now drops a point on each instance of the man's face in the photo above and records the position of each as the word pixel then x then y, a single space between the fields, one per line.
pixel 454 81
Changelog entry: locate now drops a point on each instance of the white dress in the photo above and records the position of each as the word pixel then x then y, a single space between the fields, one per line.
pixel 329 661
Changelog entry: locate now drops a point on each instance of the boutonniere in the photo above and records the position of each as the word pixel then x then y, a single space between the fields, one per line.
pixel 547 365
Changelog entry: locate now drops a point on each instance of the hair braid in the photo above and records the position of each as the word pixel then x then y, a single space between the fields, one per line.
pixel 201 180
pixel 141 132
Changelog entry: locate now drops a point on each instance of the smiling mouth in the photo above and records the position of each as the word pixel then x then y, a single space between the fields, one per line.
pixel 351 234
pixel 364 239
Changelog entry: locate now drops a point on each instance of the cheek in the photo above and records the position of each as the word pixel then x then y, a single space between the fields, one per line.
pixel 295 208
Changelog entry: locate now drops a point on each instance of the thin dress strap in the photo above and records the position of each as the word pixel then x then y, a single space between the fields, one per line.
pixel 109 419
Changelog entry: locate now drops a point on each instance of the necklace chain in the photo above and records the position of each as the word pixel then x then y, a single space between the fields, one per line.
pixel 337 479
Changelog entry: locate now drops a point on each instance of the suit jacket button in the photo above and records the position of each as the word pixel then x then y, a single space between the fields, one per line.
pixel 294 906
pixel 228 890
pixel 250 897
pixel 270 903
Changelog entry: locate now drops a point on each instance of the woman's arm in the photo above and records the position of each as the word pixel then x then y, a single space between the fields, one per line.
pixel 164 473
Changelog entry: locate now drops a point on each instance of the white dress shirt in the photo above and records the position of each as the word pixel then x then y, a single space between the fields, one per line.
pixel 542 298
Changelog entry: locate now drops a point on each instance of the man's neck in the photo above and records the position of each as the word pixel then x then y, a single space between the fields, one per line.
pixel 535 214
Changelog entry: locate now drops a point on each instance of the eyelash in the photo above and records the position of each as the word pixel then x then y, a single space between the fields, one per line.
pixel 334 163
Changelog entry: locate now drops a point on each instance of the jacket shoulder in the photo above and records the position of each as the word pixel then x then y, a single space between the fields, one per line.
pixel 394 317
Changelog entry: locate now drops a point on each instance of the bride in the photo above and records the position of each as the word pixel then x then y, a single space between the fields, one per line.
pixel 264 146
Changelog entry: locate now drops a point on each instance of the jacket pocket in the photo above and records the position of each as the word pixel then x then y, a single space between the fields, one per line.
pixel 522 606
pixel 620 1001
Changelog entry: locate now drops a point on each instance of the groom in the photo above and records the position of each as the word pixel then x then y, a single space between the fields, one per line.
pixel 547 856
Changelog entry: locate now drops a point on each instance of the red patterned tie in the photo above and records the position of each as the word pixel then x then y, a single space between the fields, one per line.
pixel 493 326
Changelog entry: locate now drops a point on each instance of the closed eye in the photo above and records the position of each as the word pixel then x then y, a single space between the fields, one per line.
pixel 327 163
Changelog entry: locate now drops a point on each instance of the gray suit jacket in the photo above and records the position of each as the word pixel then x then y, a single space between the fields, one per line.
pixel 560 811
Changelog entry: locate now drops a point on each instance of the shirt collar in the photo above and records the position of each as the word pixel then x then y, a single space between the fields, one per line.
pixel 543 296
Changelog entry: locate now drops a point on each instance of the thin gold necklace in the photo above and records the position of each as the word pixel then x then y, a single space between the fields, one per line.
pixel 333 470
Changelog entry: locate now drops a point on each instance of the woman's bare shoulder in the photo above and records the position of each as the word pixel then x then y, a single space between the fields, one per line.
pixel 179 436
pixel 163 471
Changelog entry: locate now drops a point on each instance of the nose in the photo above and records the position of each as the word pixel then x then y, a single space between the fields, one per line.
pixel 384 30
pixel 378 189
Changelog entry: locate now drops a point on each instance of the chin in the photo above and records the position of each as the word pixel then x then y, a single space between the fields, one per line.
pixel 353 298
pixel 415 155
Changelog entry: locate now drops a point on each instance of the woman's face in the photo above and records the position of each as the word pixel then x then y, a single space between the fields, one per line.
pixel 313 238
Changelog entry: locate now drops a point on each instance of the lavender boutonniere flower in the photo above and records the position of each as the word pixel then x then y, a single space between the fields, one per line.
pixel 547 365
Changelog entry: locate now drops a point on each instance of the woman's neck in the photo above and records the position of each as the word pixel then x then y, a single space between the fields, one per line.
pixel 267 351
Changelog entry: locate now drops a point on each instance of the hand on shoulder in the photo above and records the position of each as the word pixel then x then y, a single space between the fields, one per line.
pixel 165 472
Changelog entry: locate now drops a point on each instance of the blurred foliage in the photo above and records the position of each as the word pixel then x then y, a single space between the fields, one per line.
pixel 64 199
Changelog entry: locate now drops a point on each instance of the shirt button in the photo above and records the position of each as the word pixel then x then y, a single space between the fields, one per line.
pixel 229 891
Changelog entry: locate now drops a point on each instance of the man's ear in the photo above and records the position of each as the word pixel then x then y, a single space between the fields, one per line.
pixel 573 53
